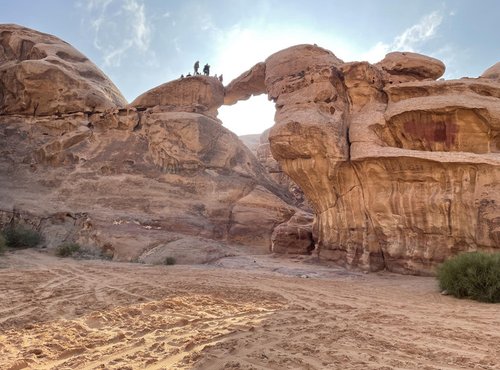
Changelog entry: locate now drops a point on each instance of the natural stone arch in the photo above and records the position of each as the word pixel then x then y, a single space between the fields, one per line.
pixel 381 202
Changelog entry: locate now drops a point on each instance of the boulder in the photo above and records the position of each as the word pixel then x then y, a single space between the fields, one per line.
pixel 197 94
pixel 493 72
pixel 251 224
pixel 174 251
pixel 43 75
pixel 411 66
pixel 294 236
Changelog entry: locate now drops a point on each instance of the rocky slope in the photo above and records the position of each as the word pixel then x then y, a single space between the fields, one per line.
pixel 136 180
pixel 402 171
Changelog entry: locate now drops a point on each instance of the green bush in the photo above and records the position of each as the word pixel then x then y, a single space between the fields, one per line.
pixel 67 249
pixel 2 244
pixel 169 261
pixel 473 275
pixel 21 237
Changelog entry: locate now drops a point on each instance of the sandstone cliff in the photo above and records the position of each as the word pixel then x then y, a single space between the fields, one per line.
pixel 259 145
pixel 402 171
pixel 296 235
pixel 159 177
pixel 43 75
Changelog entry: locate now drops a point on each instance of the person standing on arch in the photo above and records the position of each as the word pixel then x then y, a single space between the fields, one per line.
pixel 196 66
pixel 206 70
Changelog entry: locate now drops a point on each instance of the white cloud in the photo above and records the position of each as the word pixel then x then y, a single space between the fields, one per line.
pixel 418 33
pixel 201 16
pixel 206 23
pixel 177 45
pixel 448 55
pixel 376 52
pixel 112 57
pixel 141 31
pixel 96 4
pixel 409 40
pixel 116 33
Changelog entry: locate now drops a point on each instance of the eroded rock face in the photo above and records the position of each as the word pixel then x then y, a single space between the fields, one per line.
pixel 43 75
pixel 294 236
pixel 248 84
pixel 273 168
pixel 177 175
pixel 259 145
pixel 198 94
pixel 411 66
pixel 158 178
pixel 402 171
pixel 493 72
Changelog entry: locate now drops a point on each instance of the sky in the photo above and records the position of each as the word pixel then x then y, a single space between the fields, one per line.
pixel 141 44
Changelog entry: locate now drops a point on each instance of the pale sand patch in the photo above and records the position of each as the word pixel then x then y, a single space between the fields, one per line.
pixel 245 312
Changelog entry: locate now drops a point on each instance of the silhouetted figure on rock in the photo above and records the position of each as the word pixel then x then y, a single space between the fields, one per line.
pixel 196 66
pixel 220 78
pixel 206 70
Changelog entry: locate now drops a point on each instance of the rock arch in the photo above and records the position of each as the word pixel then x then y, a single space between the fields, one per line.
pixel 401 170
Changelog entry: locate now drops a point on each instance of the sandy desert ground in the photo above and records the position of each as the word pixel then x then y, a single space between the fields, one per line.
pixel 246 312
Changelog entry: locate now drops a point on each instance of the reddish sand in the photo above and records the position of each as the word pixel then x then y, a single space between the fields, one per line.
pixel 241 313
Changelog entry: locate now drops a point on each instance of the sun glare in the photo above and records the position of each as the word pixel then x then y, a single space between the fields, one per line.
pixel 252 116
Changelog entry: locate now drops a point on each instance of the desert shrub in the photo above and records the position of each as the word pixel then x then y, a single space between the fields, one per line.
pixel 2 244
pixel 87 253
pixel 67 249
pixel 169 261
pixel 21 237
pixel 473 275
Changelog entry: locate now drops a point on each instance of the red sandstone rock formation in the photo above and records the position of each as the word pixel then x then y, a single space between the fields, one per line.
pixel 246 85
pixel 493 72
pixel 198 94
pixel 401 170
pixel 411 66
pixel 294 236
pixel 43 75
pixel 259 145
pixel 138 181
